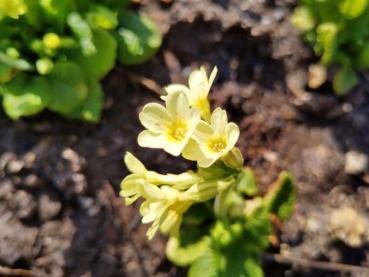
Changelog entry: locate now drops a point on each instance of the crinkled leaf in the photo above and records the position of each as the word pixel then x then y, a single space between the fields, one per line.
pixel 100 63
pixel 280 199
pixel 246 182
pixel 257 228
pixel 241 263
pixel 25 96
pixel 138 38
pixel 207 265
pixel 344 80
pixel 191 244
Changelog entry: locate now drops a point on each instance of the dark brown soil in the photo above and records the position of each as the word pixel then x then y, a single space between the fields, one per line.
pixel 60 213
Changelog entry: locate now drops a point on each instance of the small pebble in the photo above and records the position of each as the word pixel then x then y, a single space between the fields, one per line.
pixel 355 163
pixel 23 204
pixel 32 181
pixel 15 166
pixel 348 225
pixel 49 206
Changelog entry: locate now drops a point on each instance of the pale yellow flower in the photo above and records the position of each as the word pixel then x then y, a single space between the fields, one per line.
pixel 198 90
pixel 164 208
pixel 213 141
pixel 170 127
pixel 130 186
pixel 206 190
pixel 12 8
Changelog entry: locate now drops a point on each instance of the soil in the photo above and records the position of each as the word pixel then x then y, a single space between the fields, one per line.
pixel 60 212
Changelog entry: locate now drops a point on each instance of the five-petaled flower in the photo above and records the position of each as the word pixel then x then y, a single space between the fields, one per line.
pixel 170 127
pixel 211 142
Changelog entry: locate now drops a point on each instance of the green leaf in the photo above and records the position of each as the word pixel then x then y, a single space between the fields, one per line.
pixel 99 16
pixel 362 61
pixel 207 265
pixel 352 8
pixel 91 108
pixel 25 96
pixel 198 213
pixel 82 30
pixel 257 229
pixel 241 263
pixel 326 41
pixel 6 73
pixel 68 88
pixel 246 182
pixel 344 80
pixel 138 39
pixel 99 64
pixel 280 199
pixel 190 245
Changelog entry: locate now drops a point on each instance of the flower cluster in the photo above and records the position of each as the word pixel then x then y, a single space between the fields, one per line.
pixel 12 8
pixel 184 126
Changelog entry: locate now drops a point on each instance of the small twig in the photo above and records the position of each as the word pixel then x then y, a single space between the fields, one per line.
pixel 5 271
pixel 328 266
pixel 146 82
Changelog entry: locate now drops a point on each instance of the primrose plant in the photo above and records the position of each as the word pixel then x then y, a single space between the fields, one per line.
pixel 338 32
pixel 216 221
pixel 53 53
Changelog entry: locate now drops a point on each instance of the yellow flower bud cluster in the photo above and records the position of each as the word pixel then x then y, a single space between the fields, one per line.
pixel 12 8
pixel 183 126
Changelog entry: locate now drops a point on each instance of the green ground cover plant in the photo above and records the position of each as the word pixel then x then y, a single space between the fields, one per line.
pixel 217 222
pixel 338 31
pixel 53 53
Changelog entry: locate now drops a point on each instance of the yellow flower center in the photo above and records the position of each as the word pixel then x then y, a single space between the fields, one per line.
pixel 202 104
pixel 217 144
pixel 177 131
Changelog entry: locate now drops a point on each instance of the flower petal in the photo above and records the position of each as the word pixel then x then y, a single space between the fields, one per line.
pixel 150 192
pixel 219 120
pixel 233 132
pixel 176 88
pixel 194 152
pixel 202 132
pixel 133 164
pixel 213 74
pixel 154 117
pixel 177 105
pixel 198 84
pixel 173 148
pixel 152 140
